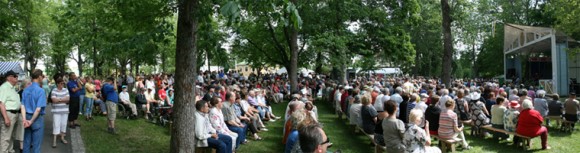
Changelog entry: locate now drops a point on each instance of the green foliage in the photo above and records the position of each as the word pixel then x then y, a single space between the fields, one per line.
pixel 567 16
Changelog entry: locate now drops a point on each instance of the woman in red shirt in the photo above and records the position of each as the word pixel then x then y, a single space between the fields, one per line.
pixel 530 123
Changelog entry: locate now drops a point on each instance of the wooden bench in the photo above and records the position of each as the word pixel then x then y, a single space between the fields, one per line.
pixel 527 143
pixel 445 143
pixel 558 120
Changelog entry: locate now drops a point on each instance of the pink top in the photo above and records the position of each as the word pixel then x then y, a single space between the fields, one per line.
pixel 97 85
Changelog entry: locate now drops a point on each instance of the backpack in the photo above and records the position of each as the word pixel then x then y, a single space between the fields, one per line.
pixel 460 109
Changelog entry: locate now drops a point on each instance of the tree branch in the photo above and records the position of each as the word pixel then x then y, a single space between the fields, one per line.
pixel 276 43
pixel 265 53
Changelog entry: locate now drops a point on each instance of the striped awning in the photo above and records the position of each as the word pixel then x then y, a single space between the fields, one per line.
pixel 14 66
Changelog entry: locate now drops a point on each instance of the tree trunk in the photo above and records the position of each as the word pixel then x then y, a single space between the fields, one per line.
pixel 292 72
pixel 80 62
pixel 183 130
pixel 319 63
pixel 343 73
pixel 447 43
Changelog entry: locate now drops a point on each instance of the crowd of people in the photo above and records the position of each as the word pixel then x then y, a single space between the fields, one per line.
pixel 401 113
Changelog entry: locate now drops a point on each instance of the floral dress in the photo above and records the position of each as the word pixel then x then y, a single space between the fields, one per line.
pixel 477 115
pixel 415 139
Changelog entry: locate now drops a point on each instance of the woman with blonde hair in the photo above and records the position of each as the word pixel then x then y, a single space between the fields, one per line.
pixel 416 139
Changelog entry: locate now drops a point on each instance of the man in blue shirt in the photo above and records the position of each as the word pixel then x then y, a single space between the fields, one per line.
pixel 34 101
pixel 112 98
pixel 74 89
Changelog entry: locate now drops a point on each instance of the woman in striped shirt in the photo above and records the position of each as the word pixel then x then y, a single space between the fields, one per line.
pixel 60 99
pixel 448 128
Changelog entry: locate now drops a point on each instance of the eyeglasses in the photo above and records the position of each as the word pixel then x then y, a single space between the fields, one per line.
pixel 327 142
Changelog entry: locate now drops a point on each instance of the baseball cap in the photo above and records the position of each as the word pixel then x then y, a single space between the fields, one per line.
pixel 11 73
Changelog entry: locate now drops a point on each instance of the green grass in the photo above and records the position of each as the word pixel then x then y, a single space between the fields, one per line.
pixel 134 136
pixel 139 136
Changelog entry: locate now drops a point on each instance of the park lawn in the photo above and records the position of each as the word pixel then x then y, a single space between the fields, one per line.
pixel 139 136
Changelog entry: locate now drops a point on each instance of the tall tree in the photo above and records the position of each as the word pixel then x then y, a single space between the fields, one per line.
pixel 447 42
pixel 279 24
pixel 183 133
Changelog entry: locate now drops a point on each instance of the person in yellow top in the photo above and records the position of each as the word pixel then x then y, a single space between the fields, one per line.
pixel 90 97
pixel 12 112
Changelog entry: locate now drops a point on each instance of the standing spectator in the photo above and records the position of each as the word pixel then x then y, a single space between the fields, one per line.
pixel 110 92
pixel 12 111
pixel 82 93
pixel 130 82
pixel 369 115
pixel 60 110
pixel 163 95
pixel 126 100
pixel 403 108
pixel 393 129
pixel 74 87
pixel 90 97
pixel 397 97
pixel 355 111
pixel 571 108
pixel 34 100
pixel 139 84
pixel 530 124
pixel 379 139
pixel 205 134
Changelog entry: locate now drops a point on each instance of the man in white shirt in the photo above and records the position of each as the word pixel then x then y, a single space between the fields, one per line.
pixel 130 81
pixel 381 99
pixel 125 99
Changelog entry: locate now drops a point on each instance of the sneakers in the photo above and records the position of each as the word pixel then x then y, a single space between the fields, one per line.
pixel 263 129
pixel 272 120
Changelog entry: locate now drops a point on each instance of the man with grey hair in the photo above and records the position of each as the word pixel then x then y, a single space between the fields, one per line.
pixel 443 99
pixel 541 104
pixel 397 98
pixel 384 96
pixel 313 139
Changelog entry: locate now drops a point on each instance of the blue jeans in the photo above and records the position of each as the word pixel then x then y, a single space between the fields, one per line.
pixel 33 135
pixel 262 112
pixel 102 105
pixel 241 134
pixel 81 102
pixel 89 108
pixel 222 145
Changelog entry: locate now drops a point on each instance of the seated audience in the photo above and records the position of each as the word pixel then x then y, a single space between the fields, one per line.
pixel 217 121
pixel 393 129
pixel 530 123
pixel 205 134
pixel 417 139
pixel 432 115
pixel 448 128
pixel 497 116
pixel 571 108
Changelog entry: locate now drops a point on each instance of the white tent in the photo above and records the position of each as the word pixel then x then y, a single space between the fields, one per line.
pixel 281 70
pixel 388 71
